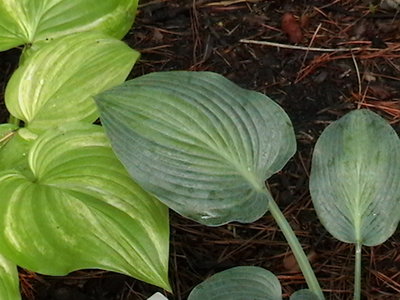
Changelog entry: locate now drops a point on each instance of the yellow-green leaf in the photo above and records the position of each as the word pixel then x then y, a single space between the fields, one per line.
pixel 9 281
pixel 29 21
pixel 55 85
pixel 80 209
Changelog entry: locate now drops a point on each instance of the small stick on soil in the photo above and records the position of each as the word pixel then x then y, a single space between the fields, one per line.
pixel 294 47
pixel 309 46
pixel 358 73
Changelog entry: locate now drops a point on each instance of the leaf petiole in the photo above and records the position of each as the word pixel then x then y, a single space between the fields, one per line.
pixel 357 272
pixel 298 251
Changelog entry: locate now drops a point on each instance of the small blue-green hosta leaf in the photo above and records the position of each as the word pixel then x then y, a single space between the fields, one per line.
pixel 355 178
pixel 29 21
pixel 9 281
pixel 55 85
pixel 200 143
pixel 80 209
pixel 239 283
pixel 303 295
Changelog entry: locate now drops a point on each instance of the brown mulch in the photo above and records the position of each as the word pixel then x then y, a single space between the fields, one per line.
pixel 315 87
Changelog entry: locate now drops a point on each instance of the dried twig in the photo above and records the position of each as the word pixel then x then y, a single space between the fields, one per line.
pixel 304 48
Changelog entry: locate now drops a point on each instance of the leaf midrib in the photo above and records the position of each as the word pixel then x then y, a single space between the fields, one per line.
pixel 249 176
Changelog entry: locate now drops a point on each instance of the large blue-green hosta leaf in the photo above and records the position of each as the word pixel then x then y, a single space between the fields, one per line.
pixel 200 143
pixel 355 178
pixel 80 209
pixel 55 85
pixel 9 281
pixel 239 283
pixel 29 21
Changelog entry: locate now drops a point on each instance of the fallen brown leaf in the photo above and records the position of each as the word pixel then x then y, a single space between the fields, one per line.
pixel 291 27
pixel 290 262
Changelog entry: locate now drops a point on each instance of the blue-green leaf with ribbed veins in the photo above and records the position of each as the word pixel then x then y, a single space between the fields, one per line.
pixel 9 281
pixel 201 144
pixel 239 283
pixel 29 21
pixel 79 208
pixel 355 178
pixel 56 84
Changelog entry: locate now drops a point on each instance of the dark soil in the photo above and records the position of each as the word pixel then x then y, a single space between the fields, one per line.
pixel 315 88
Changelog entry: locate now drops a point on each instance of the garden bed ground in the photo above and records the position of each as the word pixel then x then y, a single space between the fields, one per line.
pixel 314 87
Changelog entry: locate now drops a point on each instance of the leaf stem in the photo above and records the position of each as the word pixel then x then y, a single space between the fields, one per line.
pixel 13 120
pixel 357 273
pixel 298 251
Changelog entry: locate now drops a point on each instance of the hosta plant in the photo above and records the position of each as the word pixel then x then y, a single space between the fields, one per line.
pixel 355 187
pixel 355 183
pixel 66 202
pixel 205 147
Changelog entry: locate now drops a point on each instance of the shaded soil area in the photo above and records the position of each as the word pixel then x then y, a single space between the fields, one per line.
pixel 348 57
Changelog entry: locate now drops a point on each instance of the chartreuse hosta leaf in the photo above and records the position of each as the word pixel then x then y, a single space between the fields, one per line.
pixel 355 182
pixel 9 281
pixel 28 21
pixel 355 178
pixel 14 149
pixel 79 209
pixel 200 143
pixel 55 85
pixel 239 283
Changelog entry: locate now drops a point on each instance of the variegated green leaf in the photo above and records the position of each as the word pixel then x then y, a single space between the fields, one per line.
pixel 55 85
pixel 9 281
pixel 80 209
pixel 29 21
pixel 14 150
